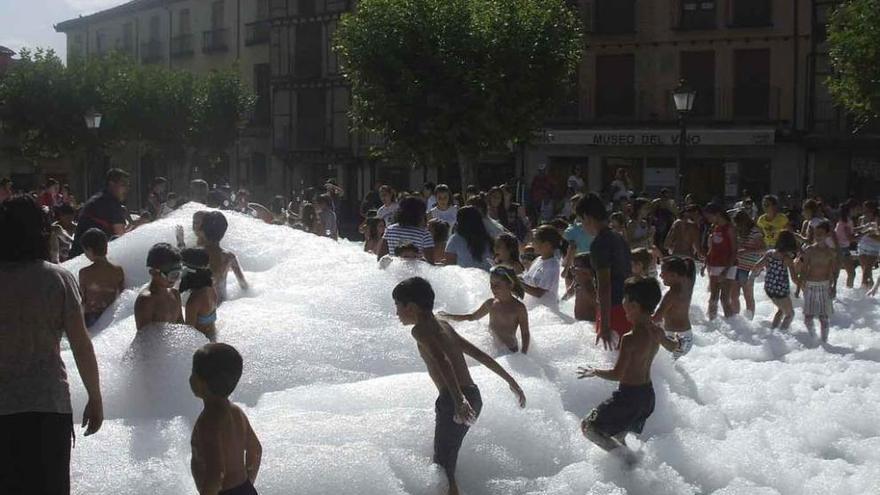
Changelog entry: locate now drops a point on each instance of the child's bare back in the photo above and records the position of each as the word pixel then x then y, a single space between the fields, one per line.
pixel 157 306
pixel 221 261
pixel 100 284
pixel 674 310
pixel 221 438
pixel 585 304
pixel 439 336
pixel 637 351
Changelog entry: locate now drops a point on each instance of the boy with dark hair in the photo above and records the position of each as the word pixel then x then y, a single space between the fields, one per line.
pixel 443 350
pixel 101 282
pixel 226 452
pixel 105 210
pixel 160 301
pixel 819 275
pixel 213 228
pixel 610 257
pixel 633 402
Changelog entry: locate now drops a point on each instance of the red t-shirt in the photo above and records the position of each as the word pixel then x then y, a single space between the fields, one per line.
pixel 720 246
pixel 47 199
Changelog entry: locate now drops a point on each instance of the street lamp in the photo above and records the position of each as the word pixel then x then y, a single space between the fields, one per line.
pixel 93 123
pixel 683 97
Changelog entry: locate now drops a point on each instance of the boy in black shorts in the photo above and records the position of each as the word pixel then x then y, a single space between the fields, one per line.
pixel 632 403
pixel 459 402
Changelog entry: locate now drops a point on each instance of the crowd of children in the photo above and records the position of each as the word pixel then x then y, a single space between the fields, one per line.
pixel 605 256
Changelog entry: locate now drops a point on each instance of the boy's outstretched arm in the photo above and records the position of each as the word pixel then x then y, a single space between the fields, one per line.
pixel 524 327
pixel 253 454
pixel 615 373
pixel 484 359
pixel 239 275
pixel 476 315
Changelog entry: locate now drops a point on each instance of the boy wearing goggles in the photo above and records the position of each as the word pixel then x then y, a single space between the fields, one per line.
pixel 160 301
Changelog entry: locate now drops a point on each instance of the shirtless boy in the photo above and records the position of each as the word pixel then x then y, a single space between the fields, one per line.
pixel 633 402
pixel 506 312
pixel 684 236
pixel 101 282
pixel 679 274
pixel 583 288
pixel 213 228
pixel 459 402
pixel 226 452
pixel 160 302
pixel 818 273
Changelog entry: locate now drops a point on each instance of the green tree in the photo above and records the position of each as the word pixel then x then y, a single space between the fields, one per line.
pixel 854 37
pixel 457 78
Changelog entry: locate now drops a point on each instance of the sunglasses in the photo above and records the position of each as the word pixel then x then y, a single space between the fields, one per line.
pixel 172 273
pixel 528 257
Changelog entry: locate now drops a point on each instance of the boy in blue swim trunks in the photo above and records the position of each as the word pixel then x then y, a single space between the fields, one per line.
pixel 633 402
pixel 443 350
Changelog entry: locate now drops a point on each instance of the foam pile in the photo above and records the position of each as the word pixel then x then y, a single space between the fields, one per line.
pixel 334 387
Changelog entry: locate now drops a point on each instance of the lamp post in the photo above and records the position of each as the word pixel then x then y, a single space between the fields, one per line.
pixel 93 123
pixel 683 97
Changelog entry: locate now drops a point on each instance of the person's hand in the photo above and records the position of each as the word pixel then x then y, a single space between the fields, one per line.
pixel 178 232
pixel 443 314
pixel 93 415
pixel 464 413
pixel 873 291
pixel 586 372
pixel 520 396
pixel 605 337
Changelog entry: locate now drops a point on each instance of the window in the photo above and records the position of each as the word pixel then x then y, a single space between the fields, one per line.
pixel 259 170
pixel 154 28
pixel 184 25
pixel 308 50
pixel 615 86
pixel 217 15
pixel 339 126
pixel 752 13
pixel 262 88
pixel 698 69
pixel 281 121
pixel 697 14
pixel 751 92
pixel 615 16
pixel 127 37
pixel 262 10
pixel 310 118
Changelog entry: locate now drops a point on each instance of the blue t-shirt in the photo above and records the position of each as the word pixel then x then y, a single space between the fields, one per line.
pixel 576 234
pixel 457 245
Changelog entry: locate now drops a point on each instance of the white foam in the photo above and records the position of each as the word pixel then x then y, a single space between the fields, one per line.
pixel 335 389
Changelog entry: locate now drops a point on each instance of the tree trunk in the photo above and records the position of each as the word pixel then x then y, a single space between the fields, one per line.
pixel 466 170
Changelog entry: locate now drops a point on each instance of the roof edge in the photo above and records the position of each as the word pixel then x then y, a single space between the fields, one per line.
pixel 131 6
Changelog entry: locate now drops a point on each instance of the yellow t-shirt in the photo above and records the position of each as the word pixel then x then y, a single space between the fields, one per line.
pixel 772 228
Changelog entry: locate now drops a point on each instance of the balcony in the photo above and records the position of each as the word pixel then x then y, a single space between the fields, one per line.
pixel 751 14
pixel 214 41
pixel 257 33
pixel 749 104
pixel 151 51
pixel 182 46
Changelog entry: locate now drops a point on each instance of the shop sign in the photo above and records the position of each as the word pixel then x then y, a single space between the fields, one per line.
pixel 663 137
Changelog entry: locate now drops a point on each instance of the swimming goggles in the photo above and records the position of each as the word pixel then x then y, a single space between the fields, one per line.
pixel 172 273
pixel 504 272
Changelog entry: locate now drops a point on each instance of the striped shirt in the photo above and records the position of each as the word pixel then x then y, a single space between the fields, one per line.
pixel 398 235
pixel 752 249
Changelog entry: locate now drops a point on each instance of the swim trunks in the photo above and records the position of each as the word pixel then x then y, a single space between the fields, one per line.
pixel 685 342
pixel 448 435
pixel 723 271
pixel 245 488
pixel 627 410
pixel 817 299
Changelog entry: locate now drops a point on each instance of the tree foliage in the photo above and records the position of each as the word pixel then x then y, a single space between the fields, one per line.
pixel 854 37
pixel 44 104
pixel 457 77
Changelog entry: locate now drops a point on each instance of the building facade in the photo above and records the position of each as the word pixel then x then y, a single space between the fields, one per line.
pixel 197 36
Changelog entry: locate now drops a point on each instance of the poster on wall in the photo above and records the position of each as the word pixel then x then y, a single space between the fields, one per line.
pixel 658 178
pixel 731 179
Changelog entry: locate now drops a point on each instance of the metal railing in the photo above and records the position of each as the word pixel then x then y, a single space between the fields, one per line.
pixel 214 41
pixel 182 45
pixel 151 51
pixel 257 33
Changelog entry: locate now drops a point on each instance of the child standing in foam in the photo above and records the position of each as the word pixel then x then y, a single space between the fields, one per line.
pixel 583 288
pixel 201 307
pixel 101 282
pixel 679 274
pixel 388 211
pixel 505 311
pixel 541 281
pixel 819 272
pixel 720 260
pixel 507 253
pixel 779 263
pixel 226 453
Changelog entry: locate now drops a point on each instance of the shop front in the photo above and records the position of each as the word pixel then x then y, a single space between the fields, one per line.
pixel 718 164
